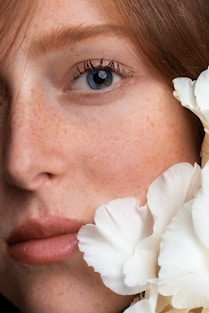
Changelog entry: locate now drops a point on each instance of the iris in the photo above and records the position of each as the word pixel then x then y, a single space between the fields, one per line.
pixel 99 79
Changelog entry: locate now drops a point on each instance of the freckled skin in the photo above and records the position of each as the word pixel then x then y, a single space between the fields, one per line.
pixel 60 157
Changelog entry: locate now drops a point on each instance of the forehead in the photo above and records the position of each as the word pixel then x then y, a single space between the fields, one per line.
pixel 44 18
pixel 57 24
pixel 57 13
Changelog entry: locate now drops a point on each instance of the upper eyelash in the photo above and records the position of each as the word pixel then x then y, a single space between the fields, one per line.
pixel 113 66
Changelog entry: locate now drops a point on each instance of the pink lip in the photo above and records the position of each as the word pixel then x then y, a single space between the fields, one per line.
pixel 49 240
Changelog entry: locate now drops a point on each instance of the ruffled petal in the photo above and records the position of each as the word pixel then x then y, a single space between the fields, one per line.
pixel 141 268
pixel 200 210
pixel 164 305
pixel 194 95
pixel 148 304
pixel 184 92
pixel 184 263
pixel 171 190
pixel 202 91
pixel 202 98
pixel 119 225
pixel 189 93
pixel 166 195
pixel 205 148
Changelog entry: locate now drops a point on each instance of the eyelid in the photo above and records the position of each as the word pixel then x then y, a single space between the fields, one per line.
pixel 87 65
pixel 102 63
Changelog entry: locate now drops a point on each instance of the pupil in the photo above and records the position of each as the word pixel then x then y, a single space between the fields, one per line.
pixel 99 77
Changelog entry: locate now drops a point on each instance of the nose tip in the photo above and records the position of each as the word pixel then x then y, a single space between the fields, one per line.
pixel 26 165
pixel 30 155
pixel 24 171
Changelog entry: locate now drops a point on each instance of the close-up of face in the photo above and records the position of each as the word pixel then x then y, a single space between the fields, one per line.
pixel 85 119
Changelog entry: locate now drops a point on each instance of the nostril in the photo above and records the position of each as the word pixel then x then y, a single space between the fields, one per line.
pixel 26 181
pixel 39 179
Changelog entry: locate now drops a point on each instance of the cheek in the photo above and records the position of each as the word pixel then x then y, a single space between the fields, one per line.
pixel 123 158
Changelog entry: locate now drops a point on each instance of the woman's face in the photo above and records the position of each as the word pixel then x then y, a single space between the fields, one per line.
pixel 87 120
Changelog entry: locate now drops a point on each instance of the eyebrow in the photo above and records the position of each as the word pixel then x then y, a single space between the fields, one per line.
pixel 61 38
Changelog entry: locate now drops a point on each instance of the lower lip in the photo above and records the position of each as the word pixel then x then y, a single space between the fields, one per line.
pixel 46 250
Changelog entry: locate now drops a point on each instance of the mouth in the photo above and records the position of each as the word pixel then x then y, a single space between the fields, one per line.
pixel 49 240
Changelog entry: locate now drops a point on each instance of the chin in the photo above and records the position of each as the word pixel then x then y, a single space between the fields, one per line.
pixel 65 288
pixel 70 298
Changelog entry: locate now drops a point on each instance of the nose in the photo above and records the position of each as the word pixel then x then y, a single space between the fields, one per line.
pixel 31 148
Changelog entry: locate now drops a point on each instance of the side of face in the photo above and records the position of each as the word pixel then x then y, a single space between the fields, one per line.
pixel 88 120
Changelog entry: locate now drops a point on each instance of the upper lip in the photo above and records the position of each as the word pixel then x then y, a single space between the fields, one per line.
pixel 44 228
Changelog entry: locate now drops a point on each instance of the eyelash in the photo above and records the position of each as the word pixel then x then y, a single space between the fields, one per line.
pixel 115 67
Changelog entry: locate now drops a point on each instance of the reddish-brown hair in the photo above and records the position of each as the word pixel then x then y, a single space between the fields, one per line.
pixel 173 34
pixel 14 15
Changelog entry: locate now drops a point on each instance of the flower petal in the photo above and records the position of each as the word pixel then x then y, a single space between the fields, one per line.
pixel 194 95
pixel 164 305
pixel 171 190
pixel 200 209
pixel 165 196
pixel 147 305
pixel 119 226
pixel 141 268
pixel 205 149
pixel 184 263
pixel 184 92
pixel 202 91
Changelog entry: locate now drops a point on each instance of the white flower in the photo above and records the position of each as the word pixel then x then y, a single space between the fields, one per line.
pixel 108 244
pixel 165 197
pixel 200 208
pixel 184 253
pixel 123 245
pixel 194 95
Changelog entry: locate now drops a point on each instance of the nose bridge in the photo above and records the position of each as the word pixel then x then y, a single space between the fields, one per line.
pixel 26 117
pixel 22 136
pixel 24 122
pixel 23 107
pixel 26 154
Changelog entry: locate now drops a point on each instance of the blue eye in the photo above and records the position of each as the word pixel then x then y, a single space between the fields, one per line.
pixel 95 75
pixel 99 79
